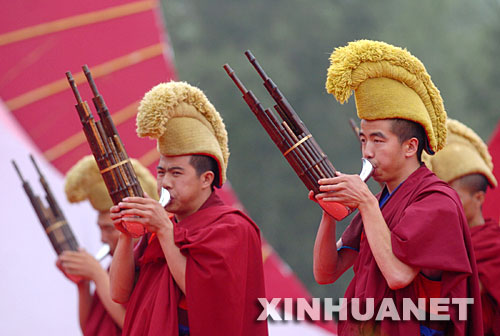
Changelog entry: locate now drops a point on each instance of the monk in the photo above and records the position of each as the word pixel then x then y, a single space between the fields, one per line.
pixel 486 243
pixel 98 314
pixel 410 241
pixel 466 165
pixel 200 271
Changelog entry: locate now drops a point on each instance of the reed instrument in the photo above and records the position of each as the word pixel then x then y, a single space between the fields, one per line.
pixel 355 127
pixel 51 217
pixel 293 139
pixel 108 150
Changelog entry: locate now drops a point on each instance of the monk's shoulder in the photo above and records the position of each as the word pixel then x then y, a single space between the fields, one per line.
pixel 437 203
pixel 490 229
pixel 492 225
pixel 234 220
pixel 437 194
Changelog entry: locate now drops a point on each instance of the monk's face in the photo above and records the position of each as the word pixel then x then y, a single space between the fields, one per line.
pixel 109 235
pixel 383 149
pixel 471 201
pixel 187 190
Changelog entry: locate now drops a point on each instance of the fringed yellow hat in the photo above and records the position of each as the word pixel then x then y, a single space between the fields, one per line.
pixel 184 122
pixel 388 82
pixel 464 154
pixel 84 181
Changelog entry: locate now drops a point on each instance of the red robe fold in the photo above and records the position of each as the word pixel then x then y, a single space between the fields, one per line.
pixel 486 243
pixel 224 277
pixel 99 322
pixel 428 230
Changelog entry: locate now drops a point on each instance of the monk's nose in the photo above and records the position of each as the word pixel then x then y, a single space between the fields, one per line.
pixel 368 151
pixel 166 183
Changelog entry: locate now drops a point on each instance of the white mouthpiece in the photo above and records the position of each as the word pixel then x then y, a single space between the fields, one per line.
pixel 164 197
pixel 103 252
pixel 366 170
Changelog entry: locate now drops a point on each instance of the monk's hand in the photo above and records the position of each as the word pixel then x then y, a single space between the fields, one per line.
pixel 116 217
pixel 145 211
pixel 311 196
pixel 346 189
pixel 77 265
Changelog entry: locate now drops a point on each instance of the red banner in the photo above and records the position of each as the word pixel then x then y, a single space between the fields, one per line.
pixel 121 43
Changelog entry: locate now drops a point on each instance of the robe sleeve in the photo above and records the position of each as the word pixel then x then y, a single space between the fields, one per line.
pixel 99 322
pixel 218 259
pixel 351 238
pixel 430 234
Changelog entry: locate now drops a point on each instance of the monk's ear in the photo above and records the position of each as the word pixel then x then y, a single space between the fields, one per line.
pixel 207 178
pixel 478 197
pixel 410 147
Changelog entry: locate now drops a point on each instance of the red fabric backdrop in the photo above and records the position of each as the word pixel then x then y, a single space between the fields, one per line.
pixel 491 206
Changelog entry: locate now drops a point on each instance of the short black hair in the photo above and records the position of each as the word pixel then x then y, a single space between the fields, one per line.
pixel 406 129
pixel 474 182
pixel 203 163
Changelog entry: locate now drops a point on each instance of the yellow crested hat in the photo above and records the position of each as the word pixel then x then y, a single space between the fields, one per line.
pixel 388 82
pixel 84 182
pixel 464 154
pixel 184 122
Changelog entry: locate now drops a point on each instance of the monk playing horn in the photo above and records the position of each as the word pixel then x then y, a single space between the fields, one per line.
pixel 98 314
pixel 200 271
pixel 410 241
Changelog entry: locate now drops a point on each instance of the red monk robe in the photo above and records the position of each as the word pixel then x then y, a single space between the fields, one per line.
pixel 428 230
pixel 486 243
pixel 99 322
pixel 224 277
